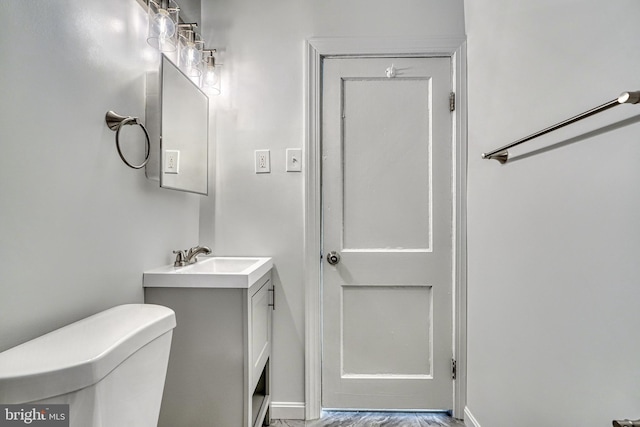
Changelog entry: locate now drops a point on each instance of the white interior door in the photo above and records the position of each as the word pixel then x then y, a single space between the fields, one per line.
pixel 387 212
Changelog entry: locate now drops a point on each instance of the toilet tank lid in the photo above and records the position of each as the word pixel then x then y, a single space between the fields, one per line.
pixel 80 354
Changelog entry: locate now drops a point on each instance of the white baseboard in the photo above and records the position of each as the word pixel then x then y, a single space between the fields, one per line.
pixel 469 419
pixel 287 410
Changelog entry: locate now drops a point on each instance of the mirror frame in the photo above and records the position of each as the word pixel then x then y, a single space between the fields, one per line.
pixel 172 126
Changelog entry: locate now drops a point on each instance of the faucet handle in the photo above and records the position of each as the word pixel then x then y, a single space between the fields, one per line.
pixel 181 259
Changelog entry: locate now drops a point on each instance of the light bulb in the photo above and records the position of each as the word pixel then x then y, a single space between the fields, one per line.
pixel 162 27
pixel 211 76
pixel 189 54
pixel 189 58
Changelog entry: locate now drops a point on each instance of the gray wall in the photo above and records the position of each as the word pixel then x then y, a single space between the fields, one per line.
pixel 190 11
pixel 553 238
pixel 262 108
pixel 77 226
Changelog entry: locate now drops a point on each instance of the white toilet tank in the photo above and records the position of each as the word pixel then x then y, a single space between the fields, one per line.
pixel 110 368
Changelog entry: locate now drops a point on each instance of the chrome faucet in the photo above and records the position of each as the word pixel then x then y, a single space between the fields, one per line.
pixel 194 252
pixel 626 423
pixel 189 257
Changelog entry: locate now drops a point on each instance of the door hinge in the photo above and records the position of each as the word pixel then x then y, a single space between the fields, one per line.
pixel 453 369
pixel 452 101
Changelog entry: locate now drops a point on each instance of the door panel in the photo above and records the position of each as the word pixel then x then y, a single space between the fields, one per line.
pixel 374 317
pixel 385 170
pixel 387 209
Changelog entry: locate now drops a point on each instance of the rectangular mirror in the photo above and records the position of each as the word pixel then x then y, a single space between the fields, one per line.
pixel 177 119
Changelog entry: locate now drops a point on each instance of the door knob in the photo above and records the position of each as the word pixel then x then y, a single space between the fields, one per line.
pixel 333 257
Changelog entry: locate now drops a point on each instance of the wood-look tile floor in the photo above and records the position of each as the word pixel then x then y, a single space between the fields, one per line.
pixel 374 419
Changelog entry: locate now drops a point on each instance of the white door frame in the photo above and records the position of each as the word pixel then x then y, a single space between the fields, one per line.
pixel 316 50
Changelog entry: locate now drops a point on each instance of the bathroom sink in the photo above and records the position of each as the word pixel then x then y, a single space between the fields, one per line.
pixel 210 272
pixel 222 265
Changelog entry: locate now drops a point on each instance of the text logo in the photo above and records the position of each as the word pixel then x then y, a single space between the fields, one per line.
pixel 34 415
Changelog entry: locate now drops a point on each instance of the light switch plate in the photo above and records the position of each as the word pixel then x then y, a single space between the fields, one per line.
pixel 172 161
pixel 263 161
pixel 294 159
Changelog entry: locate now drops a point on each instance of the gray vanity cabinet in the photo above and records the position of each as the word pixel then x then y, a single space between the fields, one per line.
pixel 218 372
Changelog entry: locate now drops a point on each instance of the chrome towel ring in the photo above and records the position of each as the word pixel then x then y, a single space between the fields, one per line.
pixel 115 122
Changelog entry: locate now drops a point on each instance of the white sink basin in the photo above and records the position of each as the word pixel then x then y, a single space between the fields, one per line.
pixel 210 272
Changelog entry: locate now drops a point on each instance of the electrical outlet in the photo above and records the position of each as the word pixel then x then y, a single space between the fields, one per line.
pixel 263 161
pixel 171 161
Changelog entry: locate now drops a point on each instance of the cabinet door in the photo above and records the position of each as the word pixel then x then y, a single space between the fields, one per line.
pixel 260 344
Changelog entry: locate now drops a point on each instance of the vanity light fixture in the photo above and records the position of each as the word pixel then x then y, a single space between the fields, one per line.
pixel 190 51
pixel 163 22
pixel 167 34
pixel 211 76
